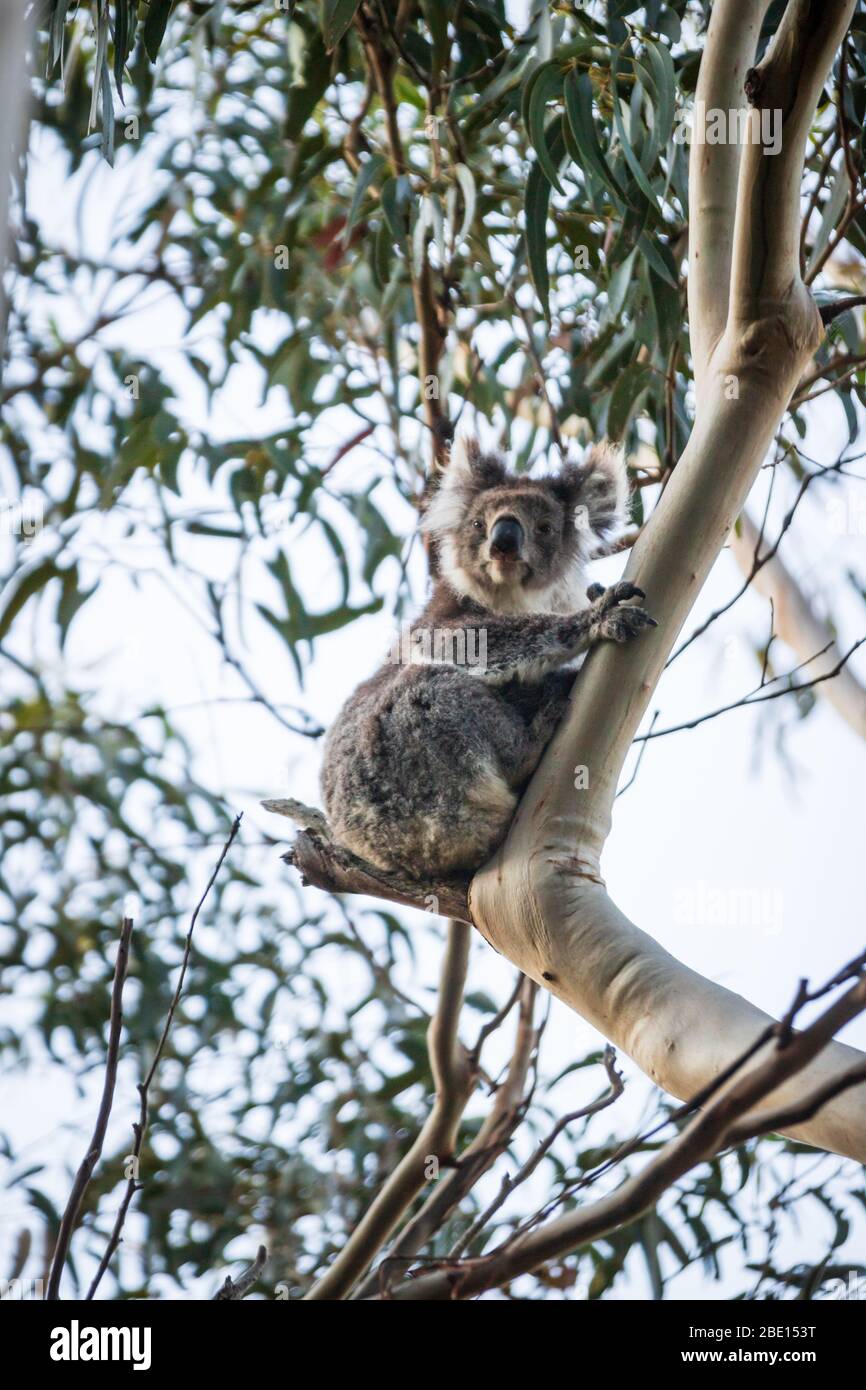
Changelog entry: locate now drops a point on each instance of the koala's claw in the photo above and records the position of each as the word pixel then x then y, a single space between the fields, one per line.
pixel 616 621
pixel 619 592
pixel 621 624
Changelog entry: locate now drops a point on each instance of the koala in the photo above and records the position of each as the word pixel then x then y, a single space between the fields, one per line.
pixel 425 764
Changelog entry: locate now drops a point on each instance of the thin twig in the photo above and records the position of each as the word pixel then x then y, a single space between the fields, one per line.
pixel 634 774
pixel 498 1018
pixel 454 1079
pixel 758 696
pixel 507 1111
pixel 835 307
pixel 234 1289
pixel 759 563
pixel 713 1128
pixel 613 1092
pixel 94 1149
pixel 140 1128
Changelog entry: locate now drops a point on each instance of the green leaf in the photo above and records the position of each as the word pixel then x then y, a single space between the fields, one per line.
pixel 304 99
pixel 339 553
pixel 381 255
pixel 123 34
pixel 672 1240
pixel 379 540
pixel 668 310
pixel 621 344
pixel 58 20
pixel 286 631
pixel 535 208
pixel 467 188
pixel 578 109
pixel 477 999
pixel 436 15
pixel 630 231
pixel 831 212
pixel 544 84
pixel 404 90
pixel 100 63
pixel 662 67
pixel 367 174
pixel 631 158
pixel 396 199
pixel 158 12
pixel 419 236
pixel 107 115
pixel 649 1242
pixel 618 287
pixel 660 259
pixel 337 15
pixel 72 597
pixel 45 1206
pixel 23 587
pixel 629 388
pixel 498 90
pixel 303 627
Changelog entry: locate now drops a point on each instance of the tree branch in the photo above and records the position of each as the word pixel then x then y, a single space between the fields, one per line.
pixel 234 1289
pixel 454 1080
pixel 324 863
pixel 765 267
pixel 835 307
pixel 94 1149
pixel 791 1115
pixel 797 625
pixel 722 1122
pixel 713 170
pixel 612 1094
pixel 491 1140
pixel 761 694
pixel 140 1129
pixel 541 899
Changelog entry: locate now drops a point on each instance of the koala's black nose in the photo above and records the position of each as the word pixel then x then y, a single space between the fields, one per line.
pixel 506 538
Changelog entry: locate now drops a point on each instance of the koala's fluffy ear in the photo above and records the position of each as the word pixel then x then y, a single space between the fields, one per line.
pixel 600 484
pixel 466 473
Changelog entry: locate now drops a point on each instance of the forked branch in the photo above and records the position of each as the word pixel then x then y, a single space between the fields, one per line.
pixel 541 900
pixel 729 1117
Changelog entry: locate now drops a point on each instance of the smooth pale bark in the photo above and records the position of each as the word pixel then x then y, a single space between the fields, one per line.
pixel 732 37
pixel 797 625
pixel 541 900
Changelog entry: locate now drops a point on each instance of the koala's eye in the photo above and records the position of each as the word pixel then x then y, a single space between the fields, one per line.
pixel 478 525
pixel 544 529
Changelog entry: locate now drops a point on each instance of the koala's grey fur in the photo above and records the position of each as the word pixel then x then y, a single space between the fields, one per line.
pixel 425 764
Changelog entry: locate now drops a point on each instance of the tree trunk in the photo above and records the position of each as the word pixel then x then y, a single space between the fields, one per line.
pixel 541 900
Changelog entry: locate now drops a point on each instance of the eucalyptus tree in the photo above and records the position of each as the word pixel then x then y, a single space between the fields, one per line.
pixel 638 221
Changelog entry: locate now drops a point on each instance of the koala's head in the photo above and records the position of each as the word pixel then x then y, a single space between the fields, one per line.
pixel 518 544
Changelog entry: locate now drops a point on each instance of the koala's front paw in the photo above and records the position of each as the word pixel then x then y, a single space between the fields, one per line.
pixel 615 622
